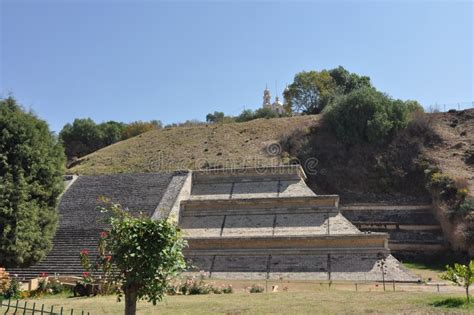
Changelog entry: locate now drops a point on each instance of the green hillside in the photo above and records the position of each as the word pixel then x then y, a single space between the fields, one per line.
pixel 220 145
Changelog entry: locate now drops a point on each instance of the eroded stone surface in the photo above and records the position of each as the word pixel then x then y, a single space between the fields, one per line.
pixel 267 227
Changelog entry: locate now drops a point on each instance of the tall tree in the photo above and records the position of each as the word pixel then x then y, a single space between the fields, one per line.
pixel 216 117
pixel 347 82
pixel 312 91
pixel 31 168
pixel 111 132
pixel 81 138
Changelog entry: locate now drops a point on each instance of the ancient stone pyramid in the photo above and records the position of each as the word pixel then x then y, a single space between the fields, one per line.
pixel 252 223
pixel 258 223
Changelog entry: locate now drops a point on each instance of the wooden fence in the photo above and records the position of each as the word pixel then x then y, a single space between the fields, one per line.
pixel 17 307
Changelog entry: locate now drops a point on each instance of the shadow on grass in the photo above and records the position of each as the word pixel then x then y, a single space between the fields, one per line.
pixel 453 303
pixel 438 264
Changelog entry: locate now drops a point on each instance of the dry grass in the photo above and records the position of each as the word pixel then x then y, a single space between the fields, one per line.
pixel 228 145
pixel 457 132
pixel 318 301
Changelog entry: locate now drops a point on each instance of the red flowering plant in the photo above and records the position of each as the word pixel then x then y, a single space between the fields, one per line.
pixel 99 272
pixel 42 283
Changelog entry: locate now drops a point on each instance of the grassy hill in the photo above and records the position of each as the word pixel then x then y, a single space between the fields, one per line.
pixel 227 145
pixel 251 144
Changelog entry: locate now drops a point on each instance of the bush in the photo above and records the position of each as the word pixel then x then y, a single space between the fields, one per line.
pixel 193 287
pixel 467 206
pixel 365 115
pixel 56 287
pixel 228 289
pixel 443 184
pixel 4 281
pixel 216 290
pixel 13 291
pixel 256 288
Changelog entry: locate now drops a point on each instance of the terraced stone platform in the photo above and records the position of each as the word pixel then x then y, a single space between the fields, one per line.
pixel 266 223
pixel 413 230
pixel 252 223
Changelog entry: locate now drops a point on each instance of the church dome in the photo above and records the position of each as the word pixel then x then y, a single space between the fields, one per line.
pixel 277 101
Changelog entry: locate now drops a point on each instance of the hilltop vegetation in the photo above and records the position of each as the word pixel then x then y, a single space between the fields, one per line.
pixel 214 145
pixel 364 169
pixel 84 136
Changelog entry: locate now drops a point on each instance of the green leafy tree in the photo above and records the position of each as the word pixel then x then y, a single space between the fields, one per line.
pixel 216 117
pixel 31 168
pixel 365 115
pixel 312 91
pixel 265 113
pixel 461 275
pixel 414 107
pixel 347 82
pixel 111 132
pixel 246 115
pixel 147 254
pixel 81 137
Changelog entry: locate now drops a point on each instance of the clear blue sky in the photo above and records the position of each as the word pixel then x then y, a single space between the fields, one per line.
pixel 142 60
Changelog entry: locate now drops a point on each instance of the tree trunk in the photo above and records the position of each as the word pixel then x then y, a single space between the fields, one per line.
pixel 131 300
pixel 467 293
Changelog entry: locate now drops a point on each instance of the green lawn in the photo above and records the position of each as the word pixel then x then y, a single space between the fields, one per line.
pixel 321 301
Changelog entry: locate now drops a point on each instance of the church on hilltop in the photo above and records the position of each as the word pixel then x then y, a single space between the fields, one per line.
pixel 277 106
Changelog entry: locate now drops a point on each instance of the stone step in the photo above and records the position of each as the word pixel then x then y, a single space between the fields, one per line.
pixel 224 175
pixel 355 242
pixel 260 205
pixel 356 266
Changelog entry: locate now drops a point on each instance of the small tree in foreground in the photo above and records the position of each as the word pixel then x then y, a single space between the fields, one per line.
pixel 147 254
pixel 461 275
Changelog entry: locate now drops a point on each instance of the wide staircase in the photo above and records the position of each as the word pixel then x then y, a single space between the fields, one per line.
pixel 64 257
pixel 413 230
pixel 81 221
pixel 266 223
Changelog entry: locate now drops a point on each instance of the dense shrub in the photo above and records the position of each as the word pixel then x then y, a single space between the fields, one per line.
pixel 365 115
pixel 138 127
pixel 56 287
pixel 193 286
pixel 228 289
pixel 4 281
pixel 248 114
pixel 467 206
pixel 13 291
pixel 256 288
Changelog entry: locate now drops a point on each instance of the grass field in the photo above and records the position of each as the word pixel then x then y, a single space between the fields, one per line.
pixel 304 302
pixel 427 271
